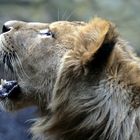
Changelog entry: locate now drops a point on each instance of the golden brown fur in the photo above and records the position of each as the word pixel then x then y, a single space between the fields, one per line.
pixel 82 76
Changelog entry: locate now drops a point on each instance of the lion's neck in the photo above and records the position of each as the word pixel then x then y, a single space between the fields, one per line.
pixel 96 108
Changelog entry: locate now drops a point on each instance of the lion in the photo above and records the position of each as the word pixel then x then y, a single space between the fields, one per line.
pixel 83 77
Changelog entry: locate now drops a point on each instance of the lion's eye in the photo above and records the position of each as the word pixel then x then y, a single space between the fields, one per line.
pixel 46 33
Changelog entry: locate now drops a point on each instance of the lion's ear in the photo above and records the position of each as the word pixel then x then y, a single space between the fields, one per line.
pixel 96 38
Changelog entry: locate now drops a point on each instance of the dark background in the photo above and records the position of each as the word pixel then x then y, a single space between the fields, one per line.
pixel 124 13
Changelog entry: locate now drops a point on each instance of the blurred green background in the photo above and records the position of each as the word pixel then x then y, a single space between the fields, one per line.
pixel 124 13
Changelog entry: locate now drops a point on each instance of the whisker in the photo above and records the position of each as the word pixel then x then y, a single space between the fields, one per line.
pixel 70 15
pixel 8 61
pixel 5 71
pixel 58 14
pixel 64 14
pixel 20 66
pixel 15 69
pixel 11 62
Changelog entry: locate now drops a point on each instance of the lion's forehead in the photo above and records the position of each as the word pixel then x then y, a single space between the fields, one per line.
pixel 37 25
pixel 66 25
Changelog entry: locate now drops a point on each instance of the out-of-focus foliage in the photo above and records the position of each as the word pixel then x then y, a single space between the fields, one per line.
pixel 124 13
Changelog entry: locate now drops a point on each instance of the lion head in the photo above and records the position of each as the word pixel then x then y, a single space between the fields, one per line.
pixel 33 52
pixel 82 76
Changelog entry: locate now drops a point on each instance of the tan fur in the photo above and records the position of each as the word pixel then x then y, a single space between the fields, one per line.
pixel 84 79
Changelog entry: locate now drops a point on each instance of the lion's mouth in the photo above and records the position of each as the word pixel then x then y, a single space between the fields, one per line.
pixel 9 89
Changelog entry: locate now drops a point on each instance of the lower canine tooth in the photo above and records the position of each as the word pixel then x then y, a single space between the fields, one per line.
pixel 3 82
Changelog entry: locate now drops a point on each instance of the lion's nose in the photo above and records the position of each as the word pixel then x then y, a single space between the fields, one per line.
pixel 12 24
pixel 8 26
pixel 5 29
